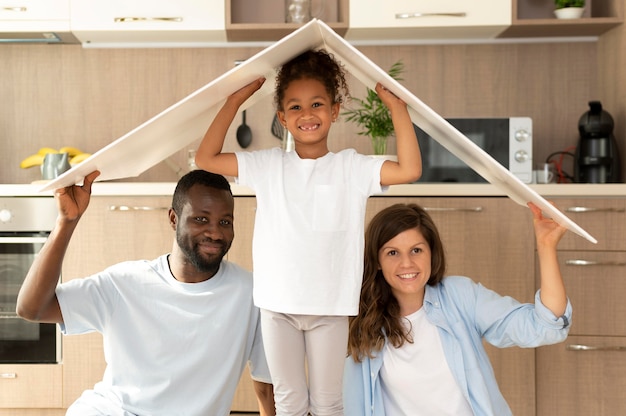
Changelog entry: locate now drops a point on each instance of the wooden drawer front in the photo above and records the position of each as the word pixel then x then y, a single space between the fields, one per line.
pixel 596 284
pixel 576 381
pixel 605 219
pixel 31 385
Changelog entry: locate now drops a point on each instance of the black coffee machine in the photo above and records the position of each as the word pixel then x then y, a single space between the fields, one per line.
pixel 597 158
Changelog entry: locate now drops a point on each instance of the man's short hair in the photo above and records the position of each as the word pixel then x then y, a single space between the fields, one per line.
pixel 196 177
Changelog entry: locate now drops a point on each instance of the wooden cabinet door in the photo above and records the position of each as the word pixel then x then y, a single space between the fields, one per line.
pixel 603 218
pixel 583 376
pixel 30 386
pixel 595 283
pixel 241 253
pixel 490 240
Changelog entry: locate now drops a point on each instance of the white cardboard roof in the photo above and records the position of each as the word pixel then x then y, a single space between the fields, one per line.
pixel 187 121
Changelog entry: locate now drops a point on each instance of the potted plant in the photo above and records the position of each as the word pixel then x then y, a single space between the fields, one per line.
pixel 373 116
pixel 569 9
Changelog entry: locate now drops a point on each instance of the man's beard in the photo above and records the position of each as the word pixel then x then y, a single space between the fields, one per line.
pixel 200 262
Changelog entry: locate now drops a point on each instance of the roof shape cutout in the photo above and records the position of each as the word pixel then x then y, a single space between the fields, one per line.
pixel 186 121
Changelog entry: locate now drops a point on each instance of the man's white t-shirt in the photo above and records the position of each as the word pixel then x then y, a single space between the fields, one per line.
pixel 171 348
pixel 308 234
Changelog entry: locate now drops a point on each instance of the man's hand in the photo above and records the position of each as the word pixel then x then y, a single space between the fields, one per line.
pixel 73 200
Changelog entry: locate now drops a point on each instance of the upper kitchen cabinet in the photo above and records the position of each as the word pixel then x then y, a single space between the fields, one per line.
pixel 148 22
pixel 375 20
pixel 266 20
pixel 35 21
pixel 533 18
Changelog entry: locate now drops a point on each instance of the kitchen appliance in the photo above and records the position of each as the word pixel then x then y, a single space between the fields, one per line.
pixel 507 140
pixel 596 159
pixel 25 223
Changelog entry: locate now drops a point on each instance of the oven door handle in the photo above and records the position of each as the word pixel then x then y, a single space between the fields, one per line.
pixel 22 240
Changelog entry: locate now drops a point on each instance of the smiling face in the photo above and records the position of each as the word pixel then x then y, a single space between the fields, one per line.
pixel 405 262
pixel 204 229
pixel 308 112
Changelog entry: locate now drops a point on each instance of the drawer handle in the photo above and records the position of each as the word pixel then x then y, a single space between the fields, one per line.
pixel 147 19
pixel 448 209
pixel 592 209
pixel 15 9
pixel 579 347
pixel 129 208
pixel 417 14
pixel 580 262
pixel 8 375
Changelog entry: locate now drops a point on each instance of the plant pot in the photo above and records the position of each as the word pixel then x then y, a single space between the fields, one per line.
pixel 569 12
pixel 379 144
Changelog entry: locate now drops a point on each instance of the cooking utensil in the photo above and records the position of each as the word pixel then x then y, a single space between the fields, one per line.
pixel 244 134
pixel 278 130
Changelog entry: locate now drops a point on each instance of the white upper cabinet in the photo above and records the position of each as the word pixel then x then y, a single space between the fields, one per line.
pixel 35 21
pixel 26 15
pixel 150 22
pixel 422 19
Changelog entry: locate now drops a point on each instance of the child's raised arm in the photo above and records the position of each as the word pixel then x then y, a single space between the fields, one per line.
pixel 209 155
pixel 409 166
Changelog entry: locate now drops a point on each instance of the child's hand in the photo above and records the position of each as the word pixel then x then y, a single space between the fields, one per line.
pixel 242 94
pixel 547 231
pixel 388 98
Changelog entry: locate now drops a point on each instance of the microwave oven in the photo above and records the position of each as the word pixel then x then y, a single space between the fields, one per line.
pixel 508 140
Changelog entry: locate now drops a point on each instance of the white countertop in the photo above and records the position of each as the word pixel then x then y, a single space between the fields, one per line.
pixel 423 189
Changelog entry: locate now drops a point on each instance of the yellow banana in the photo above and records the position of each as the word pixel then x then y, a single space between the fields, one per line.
pixel 45 150
pixel 71 151
pixel 79 158
pixel 32 160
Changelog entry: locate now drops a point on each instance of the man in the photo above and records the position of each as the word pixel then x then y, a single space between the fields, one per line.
pixel 178 330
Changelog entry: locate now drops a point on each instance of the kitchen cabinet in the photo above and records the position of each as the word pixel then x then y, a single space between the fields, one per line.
pixel 536 19
pixel 35 21
pixel 373 20
pixel 31 12
pixel 585 374
pixel 264 20
pixel 490 240
pixel 119 22
pixel 30 386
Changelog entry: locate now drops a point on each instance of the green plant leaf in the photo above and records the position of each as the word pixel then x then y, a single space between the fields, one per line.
pixel 373 116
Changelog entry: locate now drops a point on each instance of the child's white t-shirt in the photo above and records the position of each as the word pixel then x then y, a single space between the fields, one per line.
pixel 308 235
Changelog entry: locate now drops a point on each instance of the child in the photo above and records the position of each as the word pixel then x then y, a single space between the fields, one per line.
pixel 308 236
pixel 416 346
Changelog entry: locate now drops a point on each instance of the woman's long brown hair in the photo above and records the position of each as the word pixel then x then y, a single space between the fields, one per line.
pixel 379 312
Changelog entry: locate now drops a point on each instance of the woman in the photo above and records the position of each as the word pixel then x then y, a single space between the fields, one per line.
pixel 416 346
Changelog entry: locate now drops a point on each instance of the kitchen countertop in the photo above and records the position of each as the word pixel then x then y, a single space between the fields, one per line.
pixel 420 189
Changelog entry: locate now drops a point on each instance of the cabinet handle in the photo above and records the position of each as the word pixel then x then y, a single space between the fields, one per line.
pixel 23 240
pixel 15 9
pixel 418 14
pixel 147 19
pixel 580 262
pixel 449 209
pixel 578 347
pixel 592 209
pixel 129 208
pixel 8 375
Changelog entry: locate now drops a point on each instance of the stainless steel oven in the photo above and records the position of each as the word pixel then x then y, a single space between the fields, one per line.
pixel 25 223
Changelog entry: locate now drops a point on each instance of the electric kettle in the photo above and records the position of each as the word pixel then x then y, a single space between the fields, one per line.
pixel 597 157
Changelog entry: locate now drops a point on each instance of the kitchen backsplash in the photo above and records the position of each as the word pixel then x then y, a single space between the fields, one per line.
pixel 65 95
